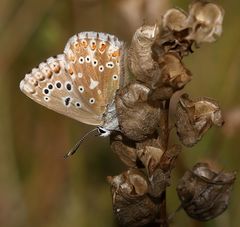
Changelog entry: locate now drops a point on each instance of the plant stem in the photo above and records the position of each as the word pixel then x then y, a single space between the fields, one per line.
pixel 164 139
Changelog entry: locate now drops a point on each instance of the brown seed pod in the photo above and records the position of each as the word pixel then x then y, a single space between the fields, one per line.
pixel 174 20
pixel 174 76
pixel 205 19
pixel 140 61
pixel 150 157
pixel 138 119
pixel 124 148
pixel 194 118
pixel 131 204
pixel 204 193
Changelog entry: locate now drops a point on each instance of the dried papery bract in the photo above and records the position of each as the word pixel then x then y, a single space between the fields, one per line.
pixel 131 204
pixel 206 21
pixel 204 193
pixel 150 157
pixel 174 20
pixel 138 119
pixel 174 76
pixel 140 61
pixel 124 148
pixel 194 118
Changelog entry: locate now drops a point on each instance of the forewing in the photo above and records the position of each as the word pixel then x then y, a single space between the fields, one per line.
pixel 81 82
pixel 94 61
pixel 51 86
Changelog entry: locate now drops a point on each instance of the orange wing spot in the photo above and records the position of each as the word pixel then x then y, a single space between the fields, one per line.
pixel 102 47
pixel 72 58
pixel 115 54
pixel 49 74
pixel 57 69
pixel 84 43
pixel 94 46
pixel 76 46
pixel 70 71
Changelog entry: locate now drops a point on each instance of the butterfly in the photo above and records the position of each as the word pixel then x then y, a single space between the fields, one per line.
pixel 82 82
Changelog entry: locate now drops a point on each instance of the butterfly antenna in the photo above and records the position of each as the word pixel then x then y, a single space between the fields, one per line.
pixel 77 145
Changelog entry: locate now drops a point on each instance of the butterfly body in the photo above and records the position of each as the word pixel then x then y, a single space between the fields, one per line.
pixel 80 83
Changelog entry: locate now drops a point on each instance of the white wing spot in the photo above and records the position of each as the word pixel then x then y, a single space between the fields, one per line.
pixel 69 86
pixel 50 86
pixel 81 60
pixel 58 84
pixel 99 92
pixel 110 65
pixel 88 59
pixel 101 68
pixel 91 100
pixel 47 99
pixel 115 77
pixel 93 83
pixel 80 75
pixel 78 104
pixel 94 62
pixel 67 101
pixel 81 89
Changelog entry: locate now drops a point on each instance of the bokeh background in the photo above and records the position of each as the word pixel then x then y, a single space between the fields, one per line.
pixel 37 186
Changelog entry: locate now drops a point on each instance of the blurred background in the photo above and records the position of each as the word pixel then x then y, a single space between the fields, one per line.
pixel 37 186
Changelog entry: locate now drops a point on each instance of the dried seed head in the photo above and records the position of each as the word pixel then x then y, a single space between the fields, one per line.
pixel 174 20
pixel 206 21
pixel 204 194
pixel 140 59
pixel 174 76
pixel 194 118
pixel 168 159
pixel 138 119
pixel 131 204
pixel 150 157
pixel 124 148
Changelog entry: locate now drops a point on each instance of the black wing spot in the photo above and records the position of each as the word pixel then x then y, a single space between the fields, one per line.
pixel 67 101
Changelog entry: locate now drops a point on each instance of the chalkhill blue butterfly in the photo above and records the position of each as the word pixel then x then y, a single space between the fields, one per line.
pixel 80 83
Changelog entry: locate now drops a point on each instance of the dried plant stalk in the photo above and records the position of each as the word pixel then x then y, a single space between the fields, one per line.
pixel 155 60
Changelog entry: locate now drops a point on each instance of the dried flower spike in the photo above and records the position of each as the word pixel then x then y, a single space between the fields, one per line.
pixel 204 194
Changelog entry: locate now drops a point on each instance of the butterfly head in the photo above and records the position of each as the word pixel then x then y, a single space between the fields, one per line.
pixel 103 131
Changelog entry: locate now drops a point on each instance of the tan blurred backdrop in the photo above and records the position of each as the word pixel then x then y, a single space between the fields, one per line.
pixel 37 186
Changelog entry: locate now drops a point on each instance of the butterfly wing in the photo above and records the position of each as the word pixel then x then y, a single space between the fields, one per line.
pixel 81 82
